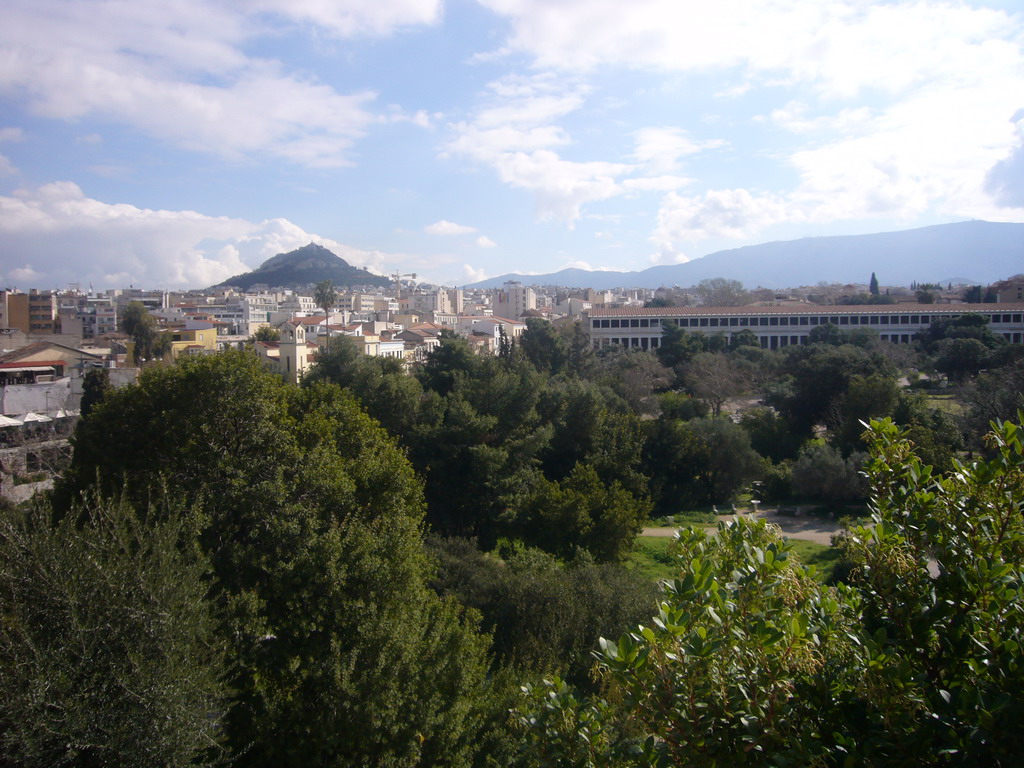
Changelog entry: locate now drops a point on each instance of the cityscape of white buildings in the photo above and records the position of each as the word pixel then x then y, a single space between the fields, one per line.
pixel 52 337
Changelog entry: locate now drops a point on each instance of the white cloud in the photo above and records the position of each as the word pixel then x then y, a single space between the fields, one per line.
pixel 668 258
pixel 731 213
pixel 181 73
pixel 444 227
pixel 843 46
pixel 69 237
pixel 348 18
pixel 486 242
pixel 903 106
pixel 12 134
pixel 472 274
pixel 665 183
pixel 6 166
pixel 516 134
pixel 577 264
pixel 912 158
pixel 659 150
pixel 513 134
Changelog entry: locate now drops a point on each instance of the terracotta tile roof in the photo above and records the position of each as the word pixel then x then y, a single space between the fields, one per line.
pixel 806 309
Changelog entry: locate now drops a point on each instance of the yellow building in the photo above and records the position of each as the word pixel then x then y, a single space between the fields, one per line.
pixel 192 342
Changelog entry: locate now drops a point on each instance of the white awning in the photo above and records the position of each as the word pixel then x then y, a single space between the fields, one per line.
pixel 7 421
pixel 30 417
pixel 29 369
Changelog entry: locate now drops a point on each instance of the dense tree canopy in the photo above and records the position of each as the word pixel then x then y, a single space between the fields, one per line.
pixel 109 652
pixel 751 661
pixel 311 518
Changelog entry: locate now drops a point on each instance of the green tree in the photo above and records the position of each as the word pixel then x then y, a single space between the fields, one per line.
pixel 109 651
pixel 381 384
pixel 311 518
pixel 582 512
pixel 266 333
pixel 866 397
pixel 448 363
pixel 701 461
pixel 580 351
pixel 545 614
pixel 636 376
pixel 149 341
pixel 589 426
pixel 828 333
pixel 960 358
pixel 995 395
pixel 544 348
pixel 325 295
pixel 821 376
pixel 821 472
pixel 873 285
pixel 743 338
pixel 95 386
pixel 769 434
pixel 678 346
pixel 967 326
pixel 751 661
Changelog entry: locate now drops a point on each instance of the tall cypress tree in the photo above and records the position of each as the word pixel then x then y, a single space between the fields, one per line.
pixel 873 285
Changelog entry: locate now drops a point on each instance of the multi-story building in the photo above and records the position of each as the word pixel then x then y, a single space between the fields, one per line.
pixel 514 299
pixel 34 312
pixel 87 316
pixel 781 326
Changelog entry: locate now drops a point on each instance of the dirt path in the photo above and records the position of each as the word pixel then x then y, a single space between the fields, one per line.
pixel 817 529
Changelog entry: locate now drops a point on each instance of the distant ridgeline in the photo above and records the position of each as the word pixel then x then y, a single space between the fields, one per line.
pixel 304 267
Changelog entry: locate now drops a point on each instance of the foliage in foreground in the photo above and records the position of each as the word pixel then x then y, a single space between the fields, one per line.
pixel 311 519
pixel 109 653
pixel 750 661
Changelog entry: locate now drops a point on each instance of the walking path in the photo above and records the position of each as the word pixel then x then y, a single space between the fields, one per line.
pixel 817 529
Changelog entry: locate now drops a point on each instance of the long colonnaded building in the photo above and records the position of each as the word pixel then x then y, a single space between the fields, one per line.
pixel 786 325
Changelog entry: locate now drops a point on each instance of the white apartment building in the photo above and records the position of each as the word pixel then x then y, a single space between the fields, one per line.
pixel 514 299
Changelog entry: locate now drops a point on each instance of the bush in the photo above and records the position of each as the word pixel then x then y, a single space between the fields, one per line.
pixel 108 647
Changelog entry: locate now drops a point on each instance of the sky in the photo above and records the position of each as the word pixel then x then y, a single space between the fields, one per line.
pixel 173 144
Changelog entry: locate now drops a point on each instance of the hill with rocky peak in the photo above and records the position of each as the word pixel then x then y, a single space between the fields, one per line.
pixel 303 268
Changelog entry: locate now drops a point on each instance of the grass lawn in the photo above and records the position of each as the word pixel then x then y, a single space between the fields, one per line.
pixel 812 553
pixel 946 403
pixel 651 557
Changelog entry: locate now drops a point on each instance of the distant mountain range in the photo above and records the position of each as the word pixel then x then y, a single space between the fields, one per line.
pixel 975 252
pixel 304 267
